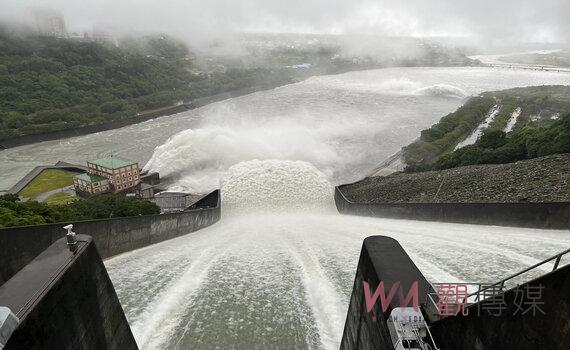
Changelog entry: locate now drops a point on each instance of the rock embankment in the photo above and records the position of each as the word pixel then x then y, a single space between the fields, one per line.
pixel 545 179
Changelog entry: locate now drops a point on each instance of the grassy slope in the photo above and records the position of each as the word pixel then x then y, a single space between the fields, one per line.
pixel 442 137
pixel 60 198
pixel 47 180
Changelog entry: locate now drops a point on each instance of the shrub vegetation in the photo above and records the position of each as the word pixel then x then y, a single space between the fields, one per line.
pixel 543 128
pixel 13 212
pixel 446 134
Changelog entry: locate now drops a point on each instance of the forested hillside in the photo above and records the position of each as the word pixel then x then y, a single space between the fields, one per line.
pixel 530 122
pixel 49 84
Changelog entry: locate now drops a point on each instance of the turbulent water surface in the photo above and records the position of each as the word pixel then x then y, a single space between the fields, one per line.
pixel 281 278
pixel 342 124
pixel 277 270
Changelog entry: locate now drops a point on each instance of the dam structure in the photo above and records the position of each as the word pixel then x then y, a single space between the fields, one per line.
pixel 279 267
pixel 486 316
pixel 280 273
pixel 277 270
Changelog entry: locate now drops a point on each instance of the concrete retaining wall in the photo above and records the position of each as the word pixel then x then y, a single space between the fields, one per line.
pixel 516 325
pixel 20 245
pixel 381 259
pixel 537 215
pixel 66 301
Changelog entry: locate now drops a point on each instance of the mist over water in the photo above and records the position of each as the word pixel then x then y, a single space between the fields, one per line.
pixel 344 125
pixel 277 271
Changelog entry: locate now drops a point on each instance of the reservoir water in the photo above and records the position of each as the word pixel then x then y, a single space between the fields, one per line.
pixel 277 271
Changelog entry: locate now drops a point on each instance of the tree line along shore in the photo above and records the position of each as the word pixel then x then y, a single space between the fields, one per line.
pixel 50 84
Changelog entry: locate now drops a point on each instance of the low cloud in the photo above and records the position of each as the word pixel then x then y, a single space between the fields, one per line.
pixel 486 21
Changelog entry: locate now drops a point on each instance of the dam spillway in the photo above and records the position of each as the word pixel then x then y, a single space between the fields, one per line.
pixel 282 278
pixel 277 270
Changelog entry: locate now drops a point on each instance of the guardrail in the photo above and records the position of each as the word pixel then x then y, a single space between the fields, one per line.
pixel 483 291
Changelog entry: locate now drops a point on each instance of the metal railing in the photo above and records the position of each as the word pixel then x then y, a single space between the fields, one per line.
pixel 487 289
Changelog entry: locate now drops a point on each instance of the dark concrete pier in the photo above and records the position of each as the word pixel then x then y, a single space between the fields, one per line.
pixel 532 316
pixel 66 300
pixel 381 259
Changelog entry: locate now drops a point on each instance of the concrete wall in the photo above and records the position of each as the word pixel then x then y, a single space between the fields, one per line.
pixel 483 331
pixel 66 301
pixel 537 215
pixel 381 259
pixel 20 245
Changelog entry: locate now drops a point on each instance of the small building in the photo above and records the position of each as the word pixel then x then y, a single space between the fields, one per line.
pixel 145 191
pixel 91 184
pixel 152 179
pixel 123 174
pixel 115 174
pixel 170 202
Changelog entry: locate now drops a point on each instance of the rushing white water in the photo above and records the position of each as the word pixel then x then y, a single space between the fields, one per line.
pixel 344 125
pixel 513 119
pixel 282 279
pixel 479 130
pixel 277 271
pixel 276 186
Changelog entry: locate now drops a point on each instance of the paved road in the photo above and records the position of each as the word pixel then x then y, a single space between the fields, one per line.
pixel 68 189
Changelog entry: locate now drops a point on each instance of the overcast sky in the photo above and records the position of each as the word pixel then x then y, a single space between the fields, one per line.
pixel 497 20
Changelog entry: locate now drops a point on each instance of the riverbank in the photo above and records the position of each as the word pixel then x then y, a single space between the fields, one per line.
pixel 139 118
pixel 544 179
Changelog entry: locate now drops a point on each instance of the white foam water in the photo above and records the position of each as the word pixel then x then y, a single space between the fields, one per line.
pixel 472 138
pixel 276 186
pixel 277 271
